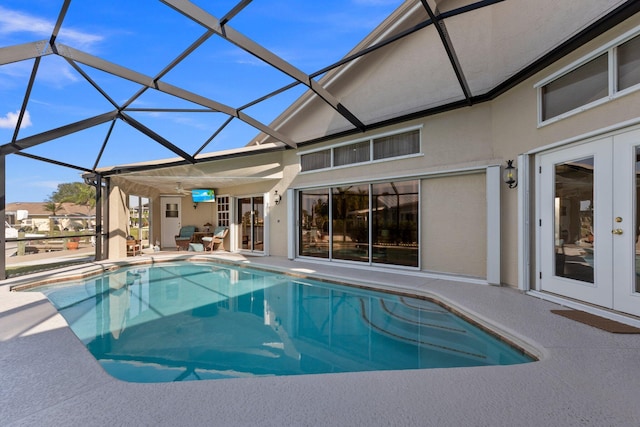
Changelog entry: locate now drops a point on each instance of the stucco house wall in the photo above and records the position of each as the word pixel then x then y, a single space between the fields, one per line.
pixel 453 144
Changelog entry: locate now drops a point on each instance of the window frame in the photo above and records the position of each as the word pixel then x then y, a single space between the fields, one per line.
pixel 371 239
pixel 610 49
pixel 370 140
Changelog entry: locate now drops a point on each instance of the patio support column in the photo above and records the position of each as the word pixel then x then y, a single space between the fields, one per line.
pixel 117 224
pixel 494 181
pixel 106 218
pixel 292 225
pixel 98 231
pixel 524 237
pixel 3 199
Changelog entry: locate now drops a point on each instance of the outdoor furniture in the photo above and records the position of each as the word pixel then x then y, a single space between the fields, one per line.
pixel 184 238
pixel 196 247
pixel 133 247
pixel 218 237
pixel 199 235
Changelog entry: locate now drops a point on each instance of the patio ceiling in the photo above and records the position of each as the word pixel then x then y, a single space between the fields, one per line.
pixel 138 91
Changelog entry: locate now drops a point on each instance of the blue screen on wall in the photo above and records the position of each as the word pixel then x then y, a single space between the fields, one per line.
pixel 203 196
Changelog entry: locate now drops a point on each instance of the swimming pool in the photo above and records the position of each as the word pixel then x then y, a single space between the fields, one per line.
pixel 196 321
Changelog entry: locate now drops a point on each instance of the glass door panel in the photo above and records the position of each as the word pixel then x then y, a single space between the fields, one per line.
pixel 350 228
pixel 573 219
pixel 258 224
pixel 395 223
pixel 245 220
pixel 313 218
pixel 251 223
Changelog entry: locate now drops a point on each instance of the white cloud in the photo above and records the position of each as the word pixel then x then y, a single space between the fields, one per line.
pixel 13 21
pixel 10 120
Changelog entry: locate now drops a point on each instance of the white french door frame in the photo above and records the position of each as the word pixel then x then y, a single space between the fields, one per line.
pixel 265 223
pixel 625 297
pixel 600 292
pixel 625 135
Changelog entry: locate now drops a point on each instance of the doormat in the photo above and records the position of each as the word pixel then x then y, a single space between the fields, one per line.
pixel 598 322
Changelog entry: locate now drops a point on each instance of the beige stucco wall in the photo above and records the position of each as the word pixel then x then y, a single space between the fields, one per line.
pixel 466 138
pixel 454 225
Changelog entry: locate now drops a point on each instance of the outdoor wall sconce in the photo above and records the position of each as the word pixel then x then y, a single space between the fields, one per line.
pixel 510 173
pixel 277 198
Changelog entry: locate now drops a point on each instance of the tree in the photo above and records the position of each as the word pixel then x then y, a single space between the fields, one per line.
pixel 53 207
pixel 75 192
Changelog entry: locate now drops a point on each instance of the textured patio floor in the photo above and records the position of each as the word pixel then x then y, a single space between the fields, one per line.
pixel 585 376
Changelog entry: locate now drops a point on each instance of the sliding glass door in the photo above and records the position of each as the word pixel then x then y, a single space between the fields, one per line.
pixel 371 223
pixel 251 223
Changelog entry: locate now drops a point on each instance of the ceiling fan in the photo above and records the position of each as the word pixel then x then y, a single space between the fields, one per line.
pixel 179 189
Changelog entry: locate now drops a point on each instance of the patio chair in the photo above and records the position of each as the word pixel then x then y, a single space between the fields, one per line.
pixel 218 237
pixel 184 238
pixel 133 247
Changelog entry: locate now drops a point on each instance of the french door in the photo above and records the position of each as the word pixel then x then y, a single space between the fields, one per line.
pixel 251 223
pixel 588 222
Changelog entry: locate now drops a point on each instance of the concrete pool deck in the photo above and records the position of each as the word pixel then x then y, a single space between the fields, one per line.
pixel 585 376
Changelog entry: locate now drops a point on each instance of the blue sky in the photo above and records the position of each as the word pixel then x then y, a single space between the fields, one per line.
pixel 144 36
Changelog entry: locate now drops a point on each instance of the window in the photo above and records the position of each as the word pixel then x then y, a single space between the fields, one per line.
pixel 372 223
pixel 385 147
pixel 317 160
pixel 592 80
pixel 352 153
pixel 629 64
pixel 580 87
pixel 396 145
pixel 223 211
pixel 171 210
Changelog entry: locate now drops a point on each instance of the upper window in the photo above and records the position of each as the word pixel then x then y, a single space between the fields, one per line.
pixel 592 80
pixel 396 145
pixel 352 153
pixel 379 148
pixel 629 64
pixel 316 160
pixel 579 87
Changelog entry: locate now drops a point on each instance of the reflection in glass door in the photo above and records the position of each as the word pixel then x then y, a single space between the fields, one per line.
pixel 251 222
pixel 573 219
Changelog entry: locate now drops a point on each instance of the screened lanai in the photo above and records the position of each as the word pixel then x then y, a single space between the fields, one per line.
pixel 148 94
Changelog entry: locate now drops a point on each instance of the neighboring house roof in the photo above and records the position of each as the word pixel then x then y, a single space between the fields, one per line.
pixel 38 209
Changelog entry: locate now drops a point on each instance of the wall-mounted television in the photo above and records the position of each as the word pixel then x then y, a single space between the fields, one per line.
pixel 202 195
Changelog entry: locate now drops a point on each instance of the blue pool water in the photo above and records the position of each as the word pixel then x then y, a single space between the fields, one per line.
pixel 187 321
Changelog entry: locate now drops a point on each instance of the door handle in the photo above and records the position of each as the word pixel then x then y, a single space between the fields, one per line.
pixel 617 231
